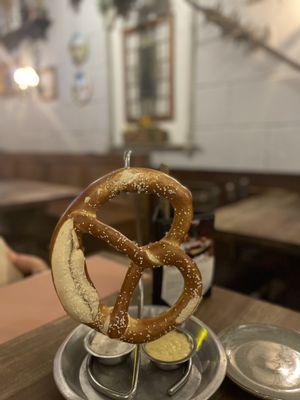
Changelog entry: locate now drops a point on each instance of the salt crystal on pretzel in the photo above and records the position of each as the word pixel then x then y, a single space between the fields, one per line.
pixel 74 288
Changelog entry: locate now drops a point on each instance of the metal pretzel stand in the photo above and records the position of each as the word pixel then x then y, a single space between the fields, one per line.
pixel 113 394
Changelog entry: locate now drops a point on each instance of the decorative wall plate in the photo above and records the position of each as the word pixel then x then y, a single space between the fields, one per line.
pixel 79 48
pixel 81 88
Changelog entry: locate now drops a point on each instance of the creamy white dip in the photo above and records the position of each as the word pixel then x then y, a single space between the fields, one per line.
pixel 103 345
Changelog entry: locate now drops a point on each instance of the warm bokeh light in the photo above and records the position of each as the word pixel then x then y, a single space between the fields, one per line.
pixel 26 77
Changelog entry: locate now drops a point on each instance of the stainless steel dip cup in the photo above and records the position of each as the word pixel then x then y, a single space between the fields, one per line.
pixel 171 365
pixel 104 358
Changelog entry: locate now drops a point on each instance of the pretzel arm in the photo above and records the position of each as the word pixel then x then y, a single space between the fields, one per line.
pixel 87 223
pixel 119 316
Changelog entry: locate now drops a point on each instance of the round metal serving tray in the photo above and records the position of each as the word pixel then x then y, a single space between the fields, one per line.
pixel 264 360
pixel 208 371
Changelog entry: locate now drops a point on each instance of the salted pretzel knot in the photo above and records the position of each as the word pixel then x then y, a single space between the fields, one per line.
pixel 74 288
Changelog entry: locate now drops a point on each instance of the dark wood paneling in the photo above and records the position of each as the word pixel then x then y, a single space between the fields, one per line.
pixel 73 169
pixel 288 181
pixel 78 169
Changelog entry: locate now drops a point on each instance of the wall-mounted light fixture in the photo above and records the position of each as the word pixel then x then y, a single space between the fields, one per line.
pixel 26 77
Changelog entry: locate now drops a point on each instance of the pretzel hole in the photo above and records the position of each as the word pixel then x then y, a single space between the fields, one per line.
pixel 119 213
pixel 122 211
pixel 173 284
pixel 147 278
pixel 97 273
pixel 109 276
pixel 134 300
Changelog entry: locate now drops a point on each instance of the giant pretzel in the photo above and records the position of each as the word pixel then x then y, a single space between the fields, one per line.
pixel 74 288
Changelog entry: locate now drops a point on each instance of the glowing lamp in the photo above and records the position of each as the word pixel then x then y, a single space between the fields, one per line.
pixel 26 77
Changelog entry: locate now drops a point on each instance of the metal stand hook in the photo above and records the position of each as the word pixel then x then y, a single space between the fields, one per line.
pixel 127 158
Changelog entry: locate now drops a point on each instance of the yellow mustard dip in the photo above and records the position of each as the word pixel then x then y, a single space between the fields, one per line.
pixel 173 346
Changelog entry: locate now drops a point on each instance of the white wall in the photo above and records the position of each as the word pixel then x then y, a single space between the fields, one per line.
pixel 31 125
pixel 247 103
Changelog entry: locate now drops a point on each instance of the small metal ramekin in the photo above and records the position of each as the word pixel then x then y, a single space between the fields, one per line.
pixel 171 365
pixel 104 358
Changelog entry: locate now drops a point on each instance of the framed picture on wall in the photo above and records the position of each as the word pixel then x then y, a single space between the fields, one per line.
pixel 47 87
pixel 148 62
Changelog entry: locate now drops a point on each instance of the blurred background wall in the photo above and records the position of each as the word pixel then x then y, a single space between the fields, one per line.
pixel 246 103
pixel 61 125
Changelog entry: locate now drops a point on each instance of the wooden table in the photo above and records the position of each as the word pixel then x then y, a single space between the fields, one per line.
pixel 272 218
pixel 36 299
pixel 24 221
pixel 21 194
pixel 26 362
pixel 257 246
